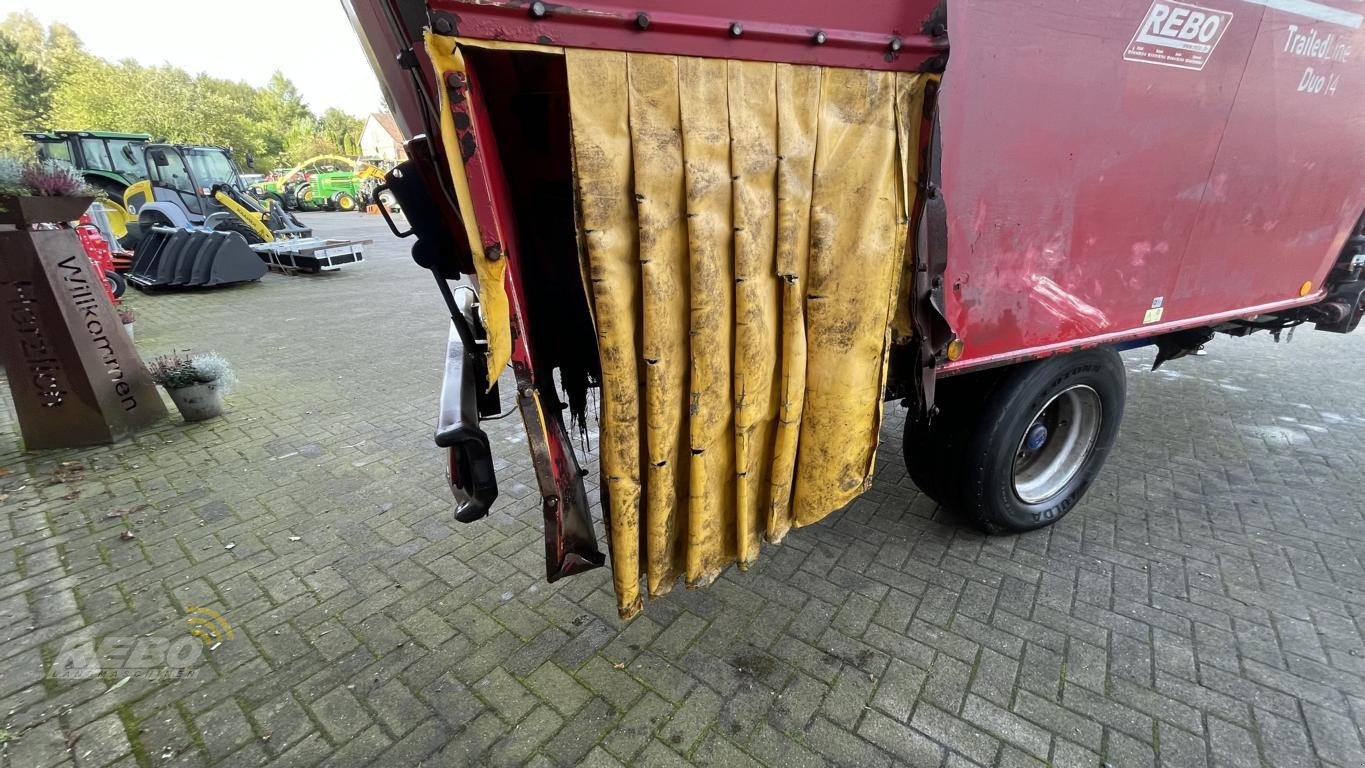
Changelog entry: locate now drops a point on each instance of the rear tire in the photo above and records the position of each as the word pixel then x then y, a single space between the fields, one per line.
pixel 117 283
pixel 1015 450
pixel 343 202
pixel 251 236
pixel 148 219
pixel 130 241
pixel 303 198
pixel 933 451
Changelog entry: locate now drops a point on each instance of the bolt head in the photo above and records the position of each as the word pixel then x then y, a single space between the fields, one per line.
pixel 736 29
pixel 819 38
pixel 642 21
pixel 538 9
pixel 895 44
pixel 442 25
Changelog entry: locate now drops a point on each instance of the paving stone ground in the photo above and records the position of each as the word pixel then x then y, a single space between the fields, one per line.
pixel 1200 608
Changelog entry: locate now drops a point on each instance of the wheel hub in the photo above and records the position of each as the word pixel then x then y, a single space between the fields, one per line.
pixel 1057 444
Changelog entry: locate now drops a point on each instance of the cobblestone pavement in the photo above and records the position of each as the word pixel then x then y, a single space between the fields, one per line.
pixel 1200 608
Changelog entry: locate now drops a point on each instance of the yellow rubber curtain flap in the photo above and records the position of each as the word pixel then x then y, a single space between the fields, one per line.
pixel 852 271
pixel 665 277
pixel 757 300
pixel 446 58
pixel 744 226
pixel 798 103
pixel 607 230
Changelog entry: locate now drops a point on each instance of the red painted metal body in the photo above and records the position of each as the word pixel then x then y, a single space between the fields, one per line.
pixel 569 546
pixel 1112 170
pixel 865 35
pixel 1081 187
pixel 97 248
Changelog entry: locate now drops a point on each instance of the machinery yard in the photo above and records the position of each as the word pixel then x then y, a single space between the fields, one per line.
pixel 1201 607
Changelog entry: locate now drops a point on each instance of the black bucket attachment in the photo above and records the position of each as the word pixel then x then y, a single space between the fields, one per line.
pixel 193 258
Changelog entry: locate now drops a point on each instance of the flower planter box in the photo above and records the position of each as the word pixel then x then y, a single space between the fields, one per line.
pixel 24 212
pixel 198 402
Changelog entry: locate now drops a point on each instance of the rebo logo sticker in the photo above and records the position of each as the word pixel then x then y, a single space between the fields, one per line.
pixel 1177 35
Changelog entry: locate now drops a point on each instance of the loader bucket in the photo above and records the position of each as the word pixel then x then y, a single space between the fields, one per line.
pixel 193 258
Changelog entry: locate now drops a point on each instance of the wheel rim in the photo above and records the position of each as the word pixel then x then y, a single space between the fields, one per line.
pixel 1058 440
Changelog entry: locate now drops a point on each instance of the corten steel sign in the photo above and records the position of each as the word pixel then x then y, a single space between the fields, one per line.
pixel 73 373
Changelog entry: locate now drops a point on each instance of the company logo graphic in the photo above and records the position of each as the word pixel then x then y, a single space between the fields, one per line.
pixel 146 656
pixel 1174 34
pixel 209 626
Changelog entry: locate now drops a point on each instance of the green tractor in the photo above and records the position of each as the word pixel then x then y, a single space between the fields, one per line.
pixel 325 187
pixel 111 162
pixel 332 190
pixel 273 186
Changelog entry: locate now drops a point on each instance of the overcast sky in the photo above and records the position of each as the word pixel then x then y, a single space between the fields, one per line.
pixel 310 41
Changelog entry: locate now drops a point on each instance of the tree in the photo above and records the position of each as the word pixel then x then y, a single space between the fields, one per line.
pixel 48 80
pixel 341 130
pixel 33 63
pixel 10 122
pixel 277 109
pixel 28 87
pixel 50 47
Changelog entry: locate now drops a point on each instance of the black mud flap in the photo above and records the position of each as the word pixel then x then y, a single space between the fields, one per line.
pixel 1177 344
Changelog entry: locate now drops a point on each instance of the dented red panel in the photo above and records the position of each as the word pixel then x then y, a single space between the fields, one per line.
pixel 1115 168
pixel 902 35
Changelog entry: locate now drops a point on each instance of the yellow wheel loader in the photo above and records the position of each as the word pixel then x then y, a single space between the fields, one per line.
pixel 199 187
pixel 198 227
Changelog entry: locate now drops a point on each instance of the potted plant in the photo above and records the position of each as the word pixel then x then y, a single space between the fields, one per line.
pixel 41 192
pixel 126 316
pixel 196 383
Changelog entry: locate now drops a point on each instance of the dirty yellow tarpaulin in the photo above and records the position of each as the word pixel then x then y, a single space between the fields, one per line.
pixel 607 229
pixel 744 226
pixel 852 273
pixel 798 101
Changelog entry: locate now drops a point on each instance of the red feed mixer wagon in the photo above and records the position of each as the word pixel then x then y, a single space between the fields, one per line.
pixel 751 224
pixel 96 246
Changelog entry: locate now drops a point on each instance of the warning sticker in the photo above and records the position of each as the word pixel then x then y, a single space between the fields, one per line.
pixel 1153 315
pixel 1177 35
